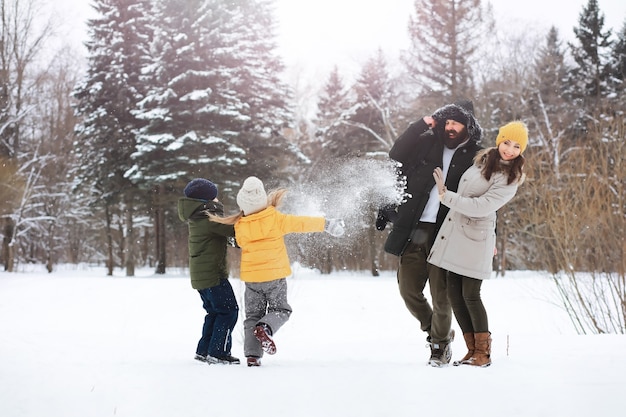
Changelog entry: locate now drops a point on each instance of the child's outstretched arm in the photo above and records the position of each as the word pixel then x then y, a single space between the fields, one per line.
pixel 303 224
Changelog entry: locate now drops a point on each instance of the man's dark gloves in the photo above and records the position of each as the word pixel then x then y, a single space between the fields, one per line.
pixel 385 215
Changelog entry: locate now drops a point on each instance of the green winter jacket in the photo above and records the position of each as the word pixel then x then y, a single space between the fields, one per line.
pixel 207 242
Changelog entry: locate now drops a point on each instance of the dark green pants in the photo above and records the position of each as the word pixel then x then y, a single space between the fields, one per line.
pixel 464 294
pixel 413 273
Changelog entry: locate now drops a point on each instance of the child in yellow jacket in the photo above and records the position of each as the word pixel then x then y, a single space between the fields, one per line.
pixel 259 230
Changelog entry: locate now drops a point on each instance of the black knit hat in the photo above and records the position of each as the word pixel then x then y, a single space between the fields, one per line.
pixel 452 112
pixel 201 189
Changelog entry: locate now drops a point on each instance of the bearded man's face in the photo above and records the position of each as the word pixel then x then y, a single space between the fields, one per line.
pixel 455 133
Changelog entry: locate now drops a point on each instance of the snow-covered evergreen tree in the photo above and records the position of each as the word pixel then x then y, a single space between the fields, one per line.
pixel 589 77
pixel 258 84
pixel 215 107
pixel 334 110
pixel 444 37
pixel 377 103
pixel 358 120
pixel 117 51
pixel 106 135
pixel 547 104
pixel 618 70
pixel 216 98
pixel 191 113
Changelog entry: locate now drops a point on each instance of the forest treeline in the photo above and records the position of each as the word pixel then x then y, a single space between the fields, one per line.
pixel 94 153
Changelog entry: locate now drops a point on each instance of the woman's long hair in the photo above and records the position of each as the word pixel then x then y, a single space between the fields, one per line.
pixel 274 198
pixel 491 163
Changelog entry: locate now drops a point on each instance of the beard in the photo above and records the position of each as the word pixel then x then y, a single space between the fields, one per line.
pixel 452 138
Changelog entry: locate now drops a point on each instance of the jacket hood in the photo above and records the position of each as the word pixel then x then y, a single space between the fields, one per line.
pixel 258 224
pixel 191 208
pixel 452 111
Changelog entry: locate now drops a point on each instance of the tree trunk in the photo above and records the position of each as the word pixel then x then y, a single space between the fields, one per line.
pixel 110 261
pixel 7 252
pixel 130 242
pixel 326 262
pixel 160 231
pixel 9 242
pixel 121 227
pixel 50 248
pixel 10 266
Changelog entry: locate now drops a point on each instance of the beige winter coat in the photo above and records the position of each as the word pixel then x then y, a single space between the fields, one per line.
pixel 466 241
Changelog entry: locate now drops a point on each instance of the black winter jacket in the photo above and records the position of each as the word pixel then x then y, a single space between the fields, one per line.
pixel 420 150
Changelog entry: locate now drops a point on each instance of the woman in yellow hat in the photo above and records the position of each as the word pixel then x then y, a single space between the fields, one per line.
pixel 465 244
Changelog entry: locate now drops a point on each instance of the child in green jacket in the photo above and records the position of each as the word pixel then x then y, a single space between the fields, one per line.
pixel 208 270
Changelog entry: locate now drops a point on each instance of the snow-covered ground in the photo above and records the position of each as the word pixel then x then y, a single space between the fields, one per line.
pixel 76 343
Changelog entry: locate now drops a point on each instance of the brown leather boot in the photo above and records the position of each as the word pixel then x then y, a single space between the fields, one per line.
pixel 482 350
pixel 469 342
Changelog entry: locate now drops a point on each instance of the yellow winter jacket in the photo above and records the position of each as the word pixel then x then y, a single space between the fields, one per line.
pixel 261 239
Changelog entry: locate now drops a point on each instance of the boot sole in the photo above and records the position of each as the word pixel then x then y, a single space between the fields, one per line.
pixel 471 364
pixel 256 362
pixel 267 344
pixel 216 361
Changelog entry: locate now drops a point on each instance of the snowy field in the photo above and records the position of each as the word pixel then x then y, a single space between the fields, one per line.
pixel 79 344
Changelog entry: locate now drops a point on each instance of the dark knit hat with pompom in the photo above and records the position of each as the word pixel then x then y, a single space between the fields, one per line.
pixel 201 189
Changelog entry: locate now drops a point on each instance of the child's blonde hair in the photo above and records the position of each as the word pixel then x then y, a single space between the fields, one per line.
pixel 274 198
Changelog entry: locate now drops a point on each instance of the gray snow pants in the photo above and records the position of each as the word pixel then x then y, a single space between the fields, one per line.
pixel 266 302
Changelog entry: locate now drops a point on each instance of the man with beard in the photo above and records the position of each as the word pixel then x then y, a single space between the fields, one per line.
pixel 448 139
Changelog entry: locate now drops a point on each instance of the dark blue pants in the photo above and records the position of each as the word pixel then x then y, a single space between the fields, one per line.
pixel 222 312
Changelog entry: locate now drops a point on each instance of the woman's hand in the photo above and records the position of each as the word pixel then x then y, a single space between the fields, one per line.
pixel 441 186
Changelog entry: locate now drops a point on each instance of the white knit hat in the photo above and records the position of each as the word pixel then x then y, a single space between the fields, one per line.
pixel 252 197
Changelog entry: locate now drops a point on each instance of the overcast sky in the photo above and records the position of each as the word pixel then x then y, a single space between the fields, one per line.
pixel 317 34
pixel 323 32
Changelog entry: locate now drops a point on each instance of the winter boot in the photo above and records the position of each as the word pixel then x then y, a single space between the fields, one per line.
pixel 469 341
pixel 253 361
pixel 482 350
pixel 441 353
pixel 263 334
pixel 222 360
pixel 199 357
pixel 438 354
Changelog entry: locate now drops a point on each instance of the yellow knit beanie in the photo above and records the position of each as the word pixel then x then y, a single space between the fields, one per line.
pixel 515 131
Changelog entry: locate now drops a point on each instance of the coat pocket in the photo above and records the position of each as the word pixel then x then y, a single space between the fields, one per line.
pixel 477 234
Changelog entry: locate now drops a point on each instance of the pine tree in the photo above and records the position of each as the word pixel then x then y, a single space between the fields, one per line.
pixel 215 102
pixel 106 99
pixel 618 71
pixel 589 78
pixel 375 105
pixel 550 68
pixel 190 111
pixel 549 119
pixel 334 110
pixel 117 48
pixel 547 105
pixel 216 99
pixel 257 83
pixel 444 37
pixel 358 120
